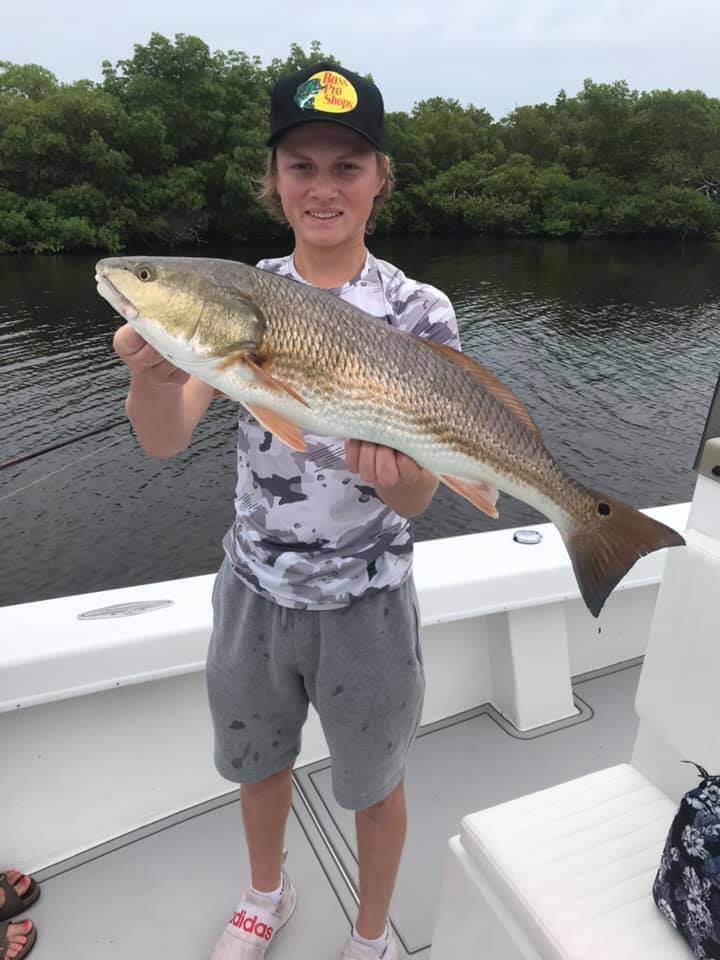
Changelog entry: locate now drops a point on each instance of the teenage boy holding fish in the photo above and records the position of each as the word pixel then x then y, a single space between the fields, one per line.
pixel 314 600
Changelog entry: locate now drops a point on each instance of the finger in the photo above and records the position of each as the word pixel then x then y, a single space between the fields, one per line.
pixel 145 359
pixel 386 468
pixel 409 470
pixel 127 341
pixel 366 462
pixel 165 372
pixel 154 367
pixel 179 377
pixel 352 455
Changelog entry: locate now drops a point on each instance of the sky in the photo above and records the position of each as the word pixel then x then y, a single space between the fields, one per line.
pixel 496 55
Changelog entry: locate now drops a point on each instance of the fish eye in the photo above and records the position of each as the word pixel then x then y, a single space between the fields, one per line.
pixel 144 273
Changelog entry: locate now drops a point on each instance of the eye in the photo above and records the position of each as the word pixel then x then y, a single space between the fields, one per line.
pixel 349 167
pixel 144 274
pixel 603 509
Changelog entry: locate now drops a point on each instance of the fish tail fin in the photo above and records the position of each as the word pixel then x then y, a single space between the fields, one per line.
pixel 603 553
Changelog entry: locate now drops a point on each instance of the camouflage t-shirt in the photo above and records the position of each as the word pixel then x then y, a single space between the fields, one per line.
pixel 308 533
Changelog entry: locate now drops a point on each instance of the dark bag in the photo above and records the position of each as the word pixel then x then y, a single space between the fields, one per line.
pixel 687 885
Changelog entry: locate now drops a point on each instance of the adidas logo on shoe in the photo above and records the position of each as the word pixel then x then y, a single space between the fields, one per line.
pixel 250 925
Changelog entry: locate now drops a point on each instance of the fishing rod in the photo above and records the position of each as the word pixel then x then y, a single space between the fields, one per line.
pixel 22 458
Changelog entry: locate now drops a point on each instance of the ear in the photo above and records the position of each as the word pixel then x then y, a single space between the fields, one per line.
pixel 383 170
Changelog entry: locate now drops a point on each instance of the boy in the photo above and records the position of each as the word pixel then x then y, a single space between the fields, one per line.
pixel 314 600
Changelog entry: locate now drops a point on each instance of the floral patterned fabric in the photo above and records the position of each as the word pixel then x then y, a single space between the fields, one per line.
pixel 687 886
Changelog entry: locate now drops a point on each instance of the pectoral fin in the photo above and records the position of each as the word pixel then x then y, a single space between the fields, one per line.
pixel 264 378
pixel 481 495
pixel 283 429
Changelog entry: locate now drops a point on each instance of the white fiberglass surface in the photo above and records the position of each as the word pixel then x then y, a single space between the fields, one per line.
pixel 168 890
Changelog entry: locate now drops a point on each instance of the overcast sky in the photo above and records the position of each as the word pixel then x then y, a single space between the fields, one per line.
pixel 494 54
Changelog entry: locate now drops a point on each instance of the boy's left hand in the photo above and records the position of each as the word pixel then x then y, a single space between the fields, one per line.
pixel 380 465
pixel 399 481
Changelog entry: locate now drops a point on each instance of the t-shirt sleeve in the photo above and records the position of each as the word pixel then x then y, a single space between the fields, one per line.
pixel 436 321
pixel 273 265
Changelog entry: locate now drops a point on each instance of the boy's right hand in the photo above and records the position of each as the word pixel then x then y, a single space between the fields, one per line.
pixel 144 361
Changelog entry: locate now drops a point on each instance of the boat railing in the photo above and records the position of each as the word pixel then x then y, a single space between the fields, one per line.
pixel 116 678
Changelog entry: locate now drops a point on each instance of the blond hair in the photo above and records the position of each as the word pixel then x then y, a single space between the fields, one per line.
pixel 269 198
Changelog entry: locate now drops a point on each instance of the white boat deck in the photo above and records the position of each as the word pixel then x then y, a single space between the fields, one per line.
pixel 167 890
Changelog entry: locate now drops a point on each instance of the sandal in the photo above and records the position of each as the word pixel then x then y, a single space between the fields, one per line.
pixel 14 903
pixel 5 943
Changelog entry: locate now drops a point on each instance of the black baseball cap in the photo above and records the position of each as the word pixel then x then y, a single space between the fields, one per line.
pixel 331 94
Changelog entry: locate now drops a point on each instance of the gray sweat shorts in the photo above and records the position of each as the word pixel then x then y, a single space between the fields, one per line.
pixel 360 666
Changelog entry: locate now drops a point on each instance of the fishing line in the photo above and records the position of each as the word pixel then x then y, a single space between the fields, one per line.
pixel 67 466
pixel 14 461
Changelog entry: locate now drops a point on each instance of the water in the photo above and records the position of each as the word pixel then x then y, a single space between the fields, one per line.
pixel 614 348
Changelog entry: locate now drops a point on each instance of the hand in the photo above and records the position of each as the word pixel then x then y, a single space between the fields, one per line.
pixel 144 361
pixel 381 466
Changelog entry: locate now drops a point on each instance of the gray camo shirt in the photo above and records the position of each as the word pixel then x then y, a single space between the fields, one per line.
pixel 309 534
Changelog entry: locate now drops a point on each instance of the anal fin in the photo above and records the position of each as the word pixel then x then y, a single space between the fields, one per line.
pixel 481 495
pixel 283 429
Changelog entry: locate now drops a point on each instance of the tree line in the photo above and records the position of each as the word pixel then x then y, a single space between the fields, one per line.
pixel 166 149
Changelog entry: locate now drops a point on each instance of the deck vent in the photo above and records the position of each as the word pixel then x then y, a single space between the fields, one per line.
pixel 527 536
pixel 124 609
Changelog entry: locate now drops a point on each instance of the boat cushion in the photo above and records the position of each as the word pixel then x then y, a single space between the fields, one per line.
pixel 575 865
pixel 683 655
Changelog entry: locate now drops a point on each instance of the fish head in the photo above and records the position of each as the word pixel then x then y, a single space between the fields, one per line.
pixel 191 302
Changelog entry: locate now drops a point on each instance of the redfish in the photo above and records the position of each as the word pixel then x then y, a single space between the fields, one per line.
pixel 300 358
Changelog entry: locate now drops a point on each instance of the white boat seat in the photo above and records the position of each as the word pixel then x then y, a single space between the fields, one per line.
pixel 567 873
pixel 574 866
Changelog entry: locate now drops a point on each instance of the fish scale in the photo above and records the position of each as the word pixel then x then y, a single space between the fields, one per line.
pixel 302 358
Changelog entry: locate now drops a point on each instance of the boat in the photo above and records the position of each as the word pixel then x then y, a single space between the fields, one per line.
pixel 116 807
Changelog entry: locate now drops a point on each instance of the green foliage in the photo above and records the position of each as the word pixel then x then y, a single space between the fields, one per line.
pixel 168 147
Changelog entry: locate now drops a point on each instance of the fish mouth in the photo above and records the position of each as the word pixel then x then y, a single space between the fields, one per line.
pixel 107 289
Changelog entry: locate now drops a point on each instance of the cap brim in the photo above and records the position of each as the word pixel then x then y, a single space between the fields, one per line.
pixel 274 137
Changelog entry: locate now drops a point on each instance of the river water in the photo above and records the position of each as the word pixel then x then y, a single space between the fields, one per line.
pixel 615 349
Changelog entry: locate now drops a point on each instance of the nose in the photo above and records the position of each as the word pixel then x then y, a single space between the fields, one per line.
pixel 323 186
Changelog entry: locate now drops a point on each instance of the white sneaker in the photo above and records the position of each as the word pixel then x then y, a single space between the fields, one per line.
pixel 354 950
pixel 254 925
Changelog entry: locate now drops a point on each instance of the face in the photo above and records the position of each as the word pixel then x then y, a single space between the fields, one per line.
pixel 327 178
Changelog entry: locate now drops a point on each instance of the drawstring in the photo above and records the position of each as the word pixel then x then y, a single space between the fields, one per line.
pixel 706 777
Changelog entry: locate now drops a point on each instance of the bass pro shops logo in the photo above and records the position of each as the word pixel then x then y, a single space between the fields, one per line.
pixel 328 92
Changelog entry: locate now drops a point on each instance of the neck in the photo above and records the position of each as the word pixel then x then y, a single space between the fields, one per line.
pixel 328 268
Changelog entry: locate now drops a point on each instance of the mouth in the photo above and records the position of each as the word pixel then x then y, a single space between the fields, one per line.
pixel 107 289
pixel 324 215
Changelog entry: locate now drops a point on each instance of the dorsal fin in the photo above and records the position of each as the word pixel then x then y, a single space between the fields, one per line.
pixel 504 394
